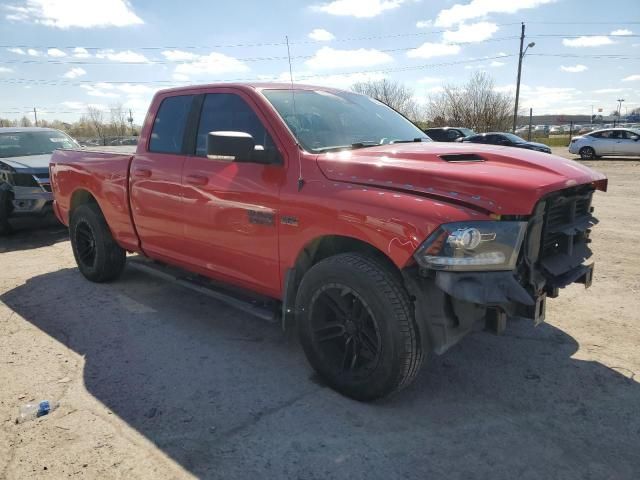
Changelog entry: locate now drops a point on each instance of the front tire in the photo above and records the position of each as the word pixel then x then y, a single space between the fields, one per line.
pixel 357 327
pixel 99 257
pixel 587 153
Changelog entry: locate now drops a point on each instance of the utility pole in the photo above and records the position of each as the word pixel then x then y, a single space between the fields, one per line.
pixel 130 119
pixel 515 111
pixel 35 115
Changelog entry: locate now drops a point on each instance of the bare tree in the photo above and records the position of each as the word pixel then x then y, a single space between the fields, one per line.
pixel 96 119
pixel 474 105
pixel 394 94
pixel 118 120
pixel 25 122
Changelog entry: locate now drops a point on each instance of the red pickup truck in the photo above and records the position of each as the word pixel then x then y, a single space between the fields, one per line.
pixel 379 245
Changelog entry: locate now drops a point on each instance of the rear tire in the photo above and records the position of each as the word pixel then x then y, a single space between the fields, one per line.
pixel 99 257
pixel 587 153
pixel 357 328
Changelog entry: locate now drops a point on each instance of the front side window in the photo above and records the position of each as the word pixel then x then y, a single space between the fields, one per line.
pixel 33 142
pixel 324 121
pixel 227 112
pixel 168 127
pixel 604 134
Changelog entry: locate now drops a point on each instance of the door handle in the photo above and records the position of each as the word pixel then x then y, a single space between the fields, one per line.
pixel 142 172
pixel 196 179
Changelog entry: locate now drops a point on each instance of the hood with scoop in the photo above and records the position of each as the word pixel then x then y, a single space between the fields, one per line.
pixel 499 180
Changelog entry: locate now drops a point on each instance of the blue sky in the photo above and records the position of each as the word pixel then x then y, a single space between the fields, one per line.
pixel 62 55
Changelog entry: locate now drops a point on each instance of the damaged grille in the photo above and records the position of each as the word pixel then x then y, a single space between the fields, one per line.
pixel 565 234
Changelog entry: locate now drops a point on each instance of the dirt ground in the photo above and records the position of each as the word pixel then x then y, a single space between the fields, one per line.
pixel 156 381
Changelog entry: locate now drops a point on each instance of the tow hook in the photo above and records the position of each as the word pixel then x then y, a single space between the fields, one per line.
pixel 496 321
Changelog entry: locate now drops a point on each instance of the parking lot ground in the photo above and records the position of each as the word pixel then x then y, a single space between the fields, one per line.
pixel 155 381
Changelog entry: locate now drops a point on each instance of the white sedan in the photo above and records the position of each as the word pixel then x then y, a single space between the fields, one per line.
pixel 611 141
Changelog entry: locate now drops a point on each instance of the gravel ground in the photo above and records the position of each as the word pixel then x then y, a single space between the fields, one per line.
pixel 155 381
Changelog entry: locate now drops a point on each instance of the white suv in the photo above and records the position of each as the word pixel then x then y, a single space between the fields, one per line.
pixel 611 141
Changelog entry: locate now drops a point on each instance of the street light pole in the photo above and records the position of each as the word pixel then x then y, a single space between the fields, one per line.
pixel 620 100
pixel 520 57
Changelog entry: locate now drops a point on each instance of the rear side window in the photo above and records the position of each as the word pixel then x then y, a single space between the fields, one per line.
pixel 169 125
pixel 228 112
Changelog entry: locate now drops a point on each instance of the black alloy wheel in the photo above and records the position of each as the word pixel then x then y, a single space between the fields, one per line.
pixel 345 331
pixel 86 244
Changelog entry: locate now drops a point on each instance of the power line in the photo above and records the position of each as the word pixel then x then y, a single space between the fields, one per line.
pixel 44 82
pixel 249 59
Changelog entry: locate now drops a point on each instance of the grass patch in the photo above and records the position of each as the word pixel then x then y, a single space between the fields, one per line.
pixel 555 141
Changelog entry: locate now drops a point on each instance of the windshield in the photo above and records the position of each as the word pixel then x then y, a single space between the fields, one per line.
pixel 325 121
pixel 514 138
pixel 467 132
pixel 22 144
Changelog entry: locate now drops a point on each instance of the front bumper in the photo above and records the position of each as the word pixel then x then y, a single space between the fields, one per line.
pixel 554 254
pixel 31 201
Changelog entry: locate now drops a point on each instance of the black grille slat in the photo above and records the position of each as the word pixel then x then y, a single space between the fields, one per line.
pixel 567 220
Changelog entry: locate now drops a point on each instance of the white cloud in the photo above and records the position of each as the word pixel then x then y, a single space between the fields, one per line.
pixel 80 52
pixel 321 35
pixel 328 58
pixel 544 99
pixel 430 50
pixel 56 53
pixel 631 78
pixel 212 64
pixel 337 80
pixel 425 80
pixel 96 90
pixel 18 51
pixel 125 56
pixel 6 70
pixel 609 90
pixel 459 13
pixel 74 105
pixel 621 32
pixel 75 72
pixel 497 64
pixel 474 32
pixel 358 8
pixel 135 88
pixel 574 68
pixel 424 23
pixel 33 53
pixel 74 13
pixel 595 41
pixel 179 55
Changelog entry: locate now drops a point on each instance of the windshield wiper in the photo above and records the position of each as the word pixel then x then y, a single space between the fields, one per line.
pixel 353 146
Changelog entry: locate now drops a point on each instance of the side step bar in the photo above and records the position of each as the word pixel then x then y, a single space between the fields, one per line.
pixel 265 309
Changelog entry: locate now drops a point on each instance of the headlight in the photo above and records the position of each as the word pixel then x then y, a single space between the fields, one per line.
pixel 466 246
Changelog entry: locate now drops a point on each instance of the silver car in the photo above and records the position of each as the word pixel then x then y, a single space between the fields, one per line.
pixel 610 141
pixel 24 170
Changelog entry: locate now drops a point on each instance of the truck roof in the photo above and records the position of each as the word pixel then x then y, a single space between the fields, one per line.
pixel 253 86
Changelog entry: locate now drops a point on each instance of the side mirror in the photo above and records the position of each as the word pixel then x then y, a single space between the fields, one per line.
pixel 239 147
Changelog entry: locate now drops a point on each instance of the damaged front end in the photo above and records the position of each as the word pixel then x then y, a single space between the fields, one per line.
pixel 492 270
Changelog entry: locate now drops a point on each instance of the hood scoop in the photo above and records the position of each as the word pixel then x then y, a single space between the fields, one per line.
pixel 461 157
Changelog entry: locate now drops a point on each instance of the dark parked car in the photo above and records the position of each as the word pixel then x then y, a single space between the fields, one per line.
pixel 507 140
pixel 448 134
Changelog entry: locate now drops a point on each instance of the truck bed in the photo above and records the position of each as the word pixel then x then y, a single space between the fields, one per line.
pixel 102 173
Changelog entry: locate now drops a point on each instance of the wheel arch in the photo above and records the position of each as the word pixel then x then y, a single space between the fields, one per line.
pixel 316 250
pixel 79 197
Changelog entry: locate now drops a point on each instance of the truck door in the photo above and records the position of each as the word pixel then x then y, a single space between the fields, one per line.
pixel 231 208
pixel 156 181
